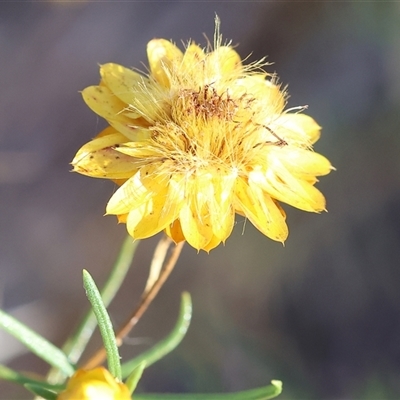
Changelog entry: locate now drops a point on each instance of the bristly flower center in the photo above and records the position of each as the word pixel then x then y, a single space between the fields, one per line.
pixel 190 133
pixel 206 103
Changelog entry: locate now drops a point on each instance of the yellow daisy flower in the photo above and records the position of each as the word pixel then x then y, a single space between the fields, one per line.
pixel 95 384
pixel 201 138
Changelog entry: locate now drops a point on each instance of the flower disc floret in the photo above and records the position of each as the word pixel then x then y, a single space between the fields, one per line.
pixel 199 139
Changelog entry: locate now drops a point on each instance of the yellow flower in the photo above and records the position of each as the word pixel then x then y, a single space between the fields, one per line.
pixel 199 139
pixel 95 384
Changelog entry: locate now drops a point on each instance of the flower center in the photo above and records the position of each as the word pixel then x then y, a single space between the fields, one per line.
pixel 205 103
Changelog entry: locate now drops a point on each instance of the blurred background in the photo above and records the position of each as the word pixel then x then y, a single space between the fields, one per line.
pixel 322 313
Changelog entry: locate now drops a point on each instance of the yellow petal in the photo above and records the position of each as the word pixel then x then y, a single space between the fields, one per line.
pixel 221 66
pixel 202 197
pixel 191 60
pixel 140 150
pixel 260 209
pixel 222 214
pixel 134 217
pixel 122 218
pixel 224 226
pixel 302 162
pixel 174 231
pixel 149 224
pixel 194 214
pixel 283 186
pixel 227 58
pixel 298 129
pixel 173 199
pixel 213 243
pixel 262 100
pixel 263 90
pixel 136 191
pixel 107 164
pixel 121 181
pixel 130 195
pixel 99 159
pixel 106 138
pixel 162 55
pixel 106 104
pixel 195 228
pixel 122 82
pixel 103 102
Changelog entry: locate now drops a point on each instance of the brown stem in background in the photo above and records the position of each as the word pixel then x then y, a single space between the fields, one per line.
pixel 147 297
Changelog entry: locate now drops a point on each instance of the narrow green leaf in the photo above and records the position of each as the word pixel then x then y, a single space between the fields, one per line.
pixel 263 393
pixel 41 391
pixel 134 377
pixel 77 343
pixel 105 325
pixel 10 375
pixel 166 345
pixel 36 343
pixel 75 346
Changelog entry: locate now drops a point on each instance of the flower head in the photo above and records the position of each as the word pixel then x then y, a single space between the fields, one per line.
pixel 95 384
pixel 199 139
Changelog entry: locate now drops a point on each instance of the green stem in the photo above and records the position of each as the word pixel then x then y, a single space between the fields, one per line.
pixel 166 345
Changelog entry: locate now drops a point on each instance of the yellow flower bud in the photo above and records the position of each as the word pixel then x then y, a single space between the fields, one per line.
pixel 95 384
